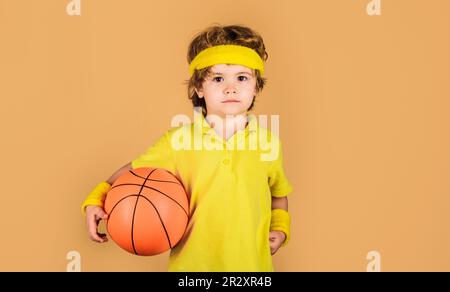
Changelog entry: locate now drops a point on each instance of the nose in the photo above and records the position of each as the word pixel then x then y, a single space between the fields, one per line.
pixel 230 89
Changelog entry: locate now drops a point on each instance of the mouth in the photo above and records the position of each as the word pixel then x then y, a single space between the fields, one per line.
pixel 230 101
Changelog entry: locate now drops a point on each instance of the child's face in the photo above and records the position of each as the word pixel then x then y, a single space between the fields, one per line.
pixel 228 90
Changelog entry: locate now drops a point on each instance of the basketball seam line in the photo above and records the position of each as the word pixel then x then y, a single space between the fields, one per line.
pixel 114 207
pixel 158 192
pixel 174 176
pixel 168 181
pixel 160 219
pixel 145 198
pixel 134 212
pixel 133 195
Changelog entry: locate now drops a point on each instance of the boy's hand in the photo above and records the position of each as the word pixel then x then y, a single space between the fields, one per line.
pixel 276 238
pixel 93 216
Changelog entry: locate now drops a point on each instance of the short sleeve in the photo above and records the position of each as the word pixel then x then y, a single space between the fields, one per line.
pixel 278 182
pixel 159 155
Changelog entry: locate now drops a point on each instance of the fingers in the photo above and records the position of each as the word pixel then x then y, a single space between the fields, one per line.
pixel 274 248
pixel 102 215
pixel 92 223
pixel 94 235
pixel 275 242
pixel 103 237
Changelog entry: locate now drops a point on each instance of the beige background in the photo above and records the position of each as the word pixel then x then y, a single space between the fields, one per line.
pixel 363 102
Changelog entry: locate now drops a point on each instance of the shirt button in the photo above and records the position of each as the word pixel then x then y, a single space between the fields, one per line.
pixel 226 161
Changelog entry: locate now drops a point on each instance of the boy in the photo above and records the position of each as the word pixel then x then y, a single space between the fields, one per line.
pixel 238 204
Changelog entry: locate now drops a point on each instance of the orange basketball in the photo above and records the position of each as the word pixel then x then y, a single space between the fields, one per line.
pixel 148 211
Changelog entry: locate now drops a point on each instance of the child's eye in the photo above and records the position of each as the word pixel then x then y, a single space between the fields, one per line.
pixel 242 78
pixel 217 79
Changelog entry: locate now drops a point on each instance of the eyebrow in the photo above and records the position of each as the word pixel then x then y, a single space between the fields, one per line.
pixel 219 73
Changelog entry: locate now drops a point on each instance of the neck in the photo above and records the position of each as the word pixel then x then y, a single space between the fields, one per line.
pixel 227 126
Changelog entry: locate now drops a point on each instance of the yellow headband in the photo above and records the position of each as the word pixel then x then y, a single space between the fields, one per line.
pixel 227 54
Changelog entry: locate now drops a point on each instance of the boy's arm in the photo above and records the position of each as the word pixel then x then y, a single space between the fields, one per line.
pixel 279 210
pixel 279 224
pixel 97 196
pixel 119 172
pixel 93 205
pixel 280 203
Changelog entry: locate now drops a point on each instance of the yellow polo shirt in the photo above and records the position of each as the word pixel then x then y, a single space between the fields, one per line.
pixel 229 189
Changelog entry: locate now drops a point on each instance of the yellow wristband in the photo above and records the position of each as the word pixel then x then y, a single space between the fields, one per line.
pixel 96 197
pixel 281 221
